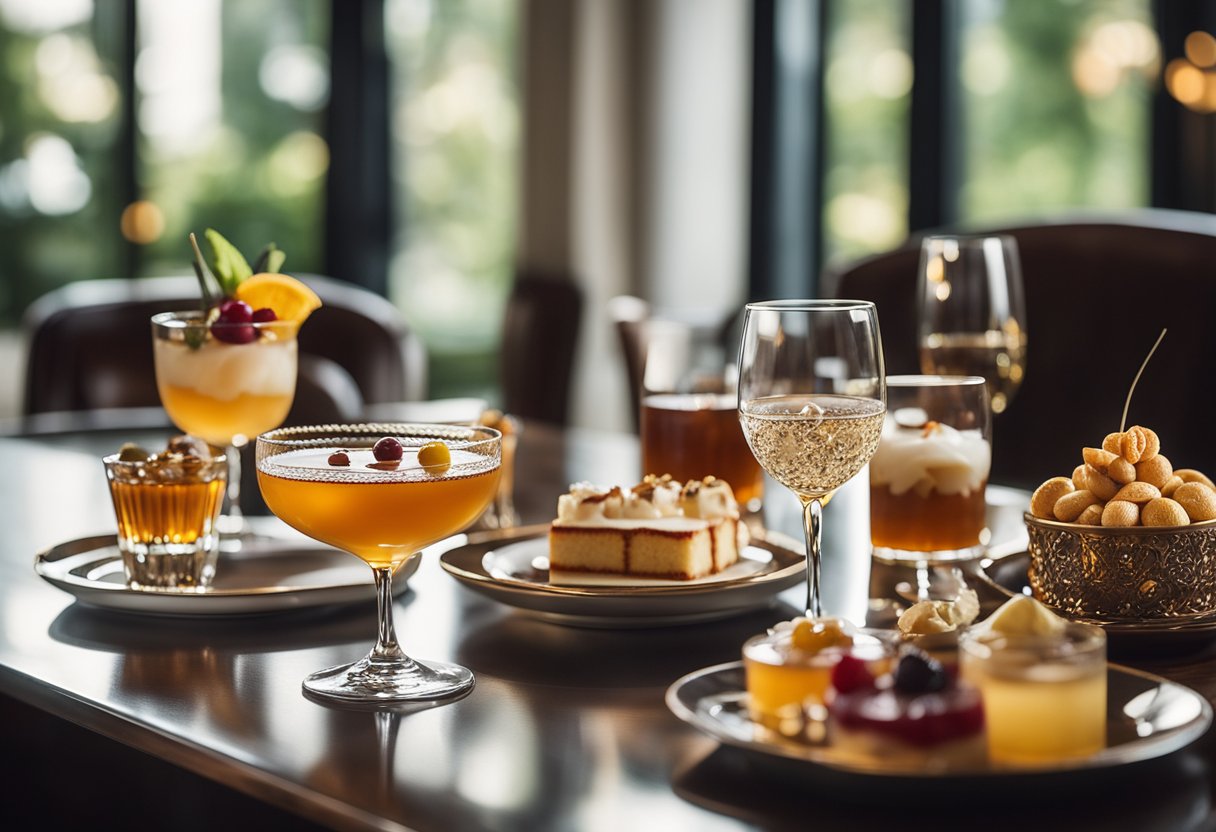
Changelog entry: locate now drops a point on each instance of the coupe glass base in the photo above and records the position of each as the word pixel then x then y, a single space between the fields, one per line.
pixel 397 680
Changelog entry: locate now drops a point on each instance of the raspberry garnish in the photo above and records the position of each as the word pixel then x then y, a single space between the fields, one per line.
pixel 850 674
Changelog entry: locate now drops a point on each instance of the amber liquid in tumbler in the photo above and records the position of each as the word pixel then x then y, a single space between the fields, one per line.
pixel 698 435
pixel 930 523
pixel 166 513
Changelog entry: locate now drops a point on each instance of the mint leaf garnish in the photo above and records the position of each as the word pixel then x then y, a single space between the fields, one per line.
pixel 269 260
pixel 230 265
pixel 202 273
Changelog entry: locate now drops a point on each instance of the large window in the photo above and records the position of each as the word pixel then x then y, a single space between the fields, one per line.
pixel 966 112
pixel 61 159
pixel 1055 106
pixel 866 87
pixel 454 116
pixel 231 96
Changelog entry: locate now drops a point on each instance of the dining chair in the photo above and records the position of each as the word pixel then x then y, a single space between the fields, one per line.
pixel 90 348
pixel 539 334
pixel 629 316
pixel 1098 289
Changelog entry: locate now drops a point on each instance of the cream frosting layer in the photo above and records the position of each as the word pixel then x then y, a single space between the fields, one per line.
pixel 934 457
pixel 225 371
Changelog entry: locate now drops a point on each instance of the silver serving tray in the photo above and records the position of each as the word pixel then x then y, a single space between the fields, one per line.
pixel 268 576
pixel 1147 717
pixel 515 572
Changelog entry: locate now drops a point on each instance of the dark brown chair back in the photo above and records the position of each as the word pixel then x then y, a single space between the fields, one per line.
pixel 539 335
pixel 1098 292
pixel 90 348
pixel 629 316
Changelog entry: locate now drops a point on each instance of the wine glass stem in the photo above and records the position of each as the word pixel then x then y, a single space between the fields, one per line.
pixel 812 525
pixel 236 519
pixel 386 639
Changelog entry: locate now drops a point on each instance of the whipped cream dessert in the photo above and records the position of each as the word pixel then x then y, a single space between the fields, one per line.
pixel 224 371
pixel 658 528
pixel 927 491
pixel 930 458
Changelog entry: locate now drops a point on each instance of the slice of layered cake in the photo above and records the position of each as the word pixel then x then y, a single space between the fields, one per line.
pixel 657 529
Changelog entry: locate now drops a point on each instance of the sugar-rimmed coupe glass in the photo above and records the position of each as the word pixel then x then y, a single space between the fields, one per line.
pixel 812 395
pixel 381 513
pixel 225 383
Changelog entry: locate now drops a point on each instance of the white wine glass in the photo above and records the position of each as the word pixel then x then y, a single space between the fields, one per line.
pixel 972 319
pixel 812 396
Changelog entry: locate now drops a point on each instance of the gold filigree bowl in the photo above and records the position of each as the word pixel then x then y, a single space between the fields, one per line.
pixel 1120 575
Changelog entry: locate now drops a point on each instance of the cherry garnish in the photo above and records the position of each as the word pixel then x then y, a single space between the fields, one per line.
pixel 233 325
pixel 387 449
pixel 264 315
pixel 339 458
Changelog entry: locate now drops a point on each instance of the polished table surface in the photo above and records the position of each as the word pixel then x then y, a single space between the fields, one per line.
pixel 565 729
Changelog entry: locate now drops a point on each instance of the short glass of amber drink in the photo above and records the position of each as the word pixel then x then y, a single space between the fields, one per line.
pixel 167 506
pixel 381 492
pixel 928 476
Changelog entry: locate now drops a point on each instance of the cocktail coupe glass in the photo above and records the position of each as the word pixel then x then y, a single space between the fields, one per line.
pixel 812 396
pixel 972 319
pixel 326 482
pixel 225 383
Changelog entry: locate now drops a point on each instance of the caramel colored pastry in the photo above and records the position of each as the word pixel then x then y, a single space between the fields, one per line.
pixel 657 529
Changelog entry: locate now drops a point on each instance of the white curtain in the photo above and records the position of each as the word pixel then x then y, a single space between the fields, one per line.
pixel 635 166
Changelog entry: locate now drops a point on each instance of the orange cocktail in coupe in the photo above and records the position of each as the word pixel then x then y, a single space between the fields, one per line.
pixel 381 492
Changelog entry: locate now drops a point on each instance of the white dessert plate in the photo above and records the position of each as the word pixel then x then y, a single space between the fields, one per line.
pixel 516 573
pixel 268 576
pixel 1146 717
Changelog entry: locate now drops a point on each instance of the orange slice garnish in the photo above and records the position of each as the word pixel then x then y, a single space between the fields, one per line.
pixel 290 299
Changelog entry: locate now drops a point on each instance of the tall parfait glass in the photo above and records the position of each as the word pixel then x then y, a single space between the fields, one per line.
pixel 225 383
pixel 812 396
pixel 381 492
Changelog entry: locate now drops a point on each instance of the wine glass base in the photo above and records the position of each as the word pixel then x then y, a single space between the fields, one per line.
pixel 383 680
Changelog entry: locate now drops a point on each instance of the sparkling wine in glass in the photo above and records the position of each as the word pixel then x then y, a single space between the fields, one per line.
pixel 330 483
pixel 812 396
pixel 225 383
pixel 972 312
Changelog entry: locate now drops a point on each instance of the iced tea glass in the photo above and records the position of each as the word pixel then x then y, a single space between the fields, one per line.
pixel 225 383
pixel 689 420
pixel 929 474
pixel 326 482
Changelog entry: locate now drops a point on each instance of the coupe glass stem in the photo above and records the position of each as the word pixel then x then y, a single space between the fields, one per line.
pixel 812 526
pixel 386 648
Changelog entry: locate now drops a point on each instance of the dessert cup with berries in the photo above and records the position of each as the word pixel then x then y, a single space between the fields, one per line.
pixel 227 371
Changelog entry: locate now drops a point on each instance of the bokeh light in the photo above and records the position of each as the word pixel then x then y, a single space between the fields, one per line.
pixel 142 222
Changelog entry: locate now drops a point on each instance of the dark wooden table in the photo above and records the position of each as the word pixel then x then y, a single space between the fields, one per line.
pixel 565 730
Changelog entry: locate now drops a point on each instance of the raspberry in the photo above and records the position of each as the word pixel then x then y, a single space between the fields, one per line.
pixel 850 674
